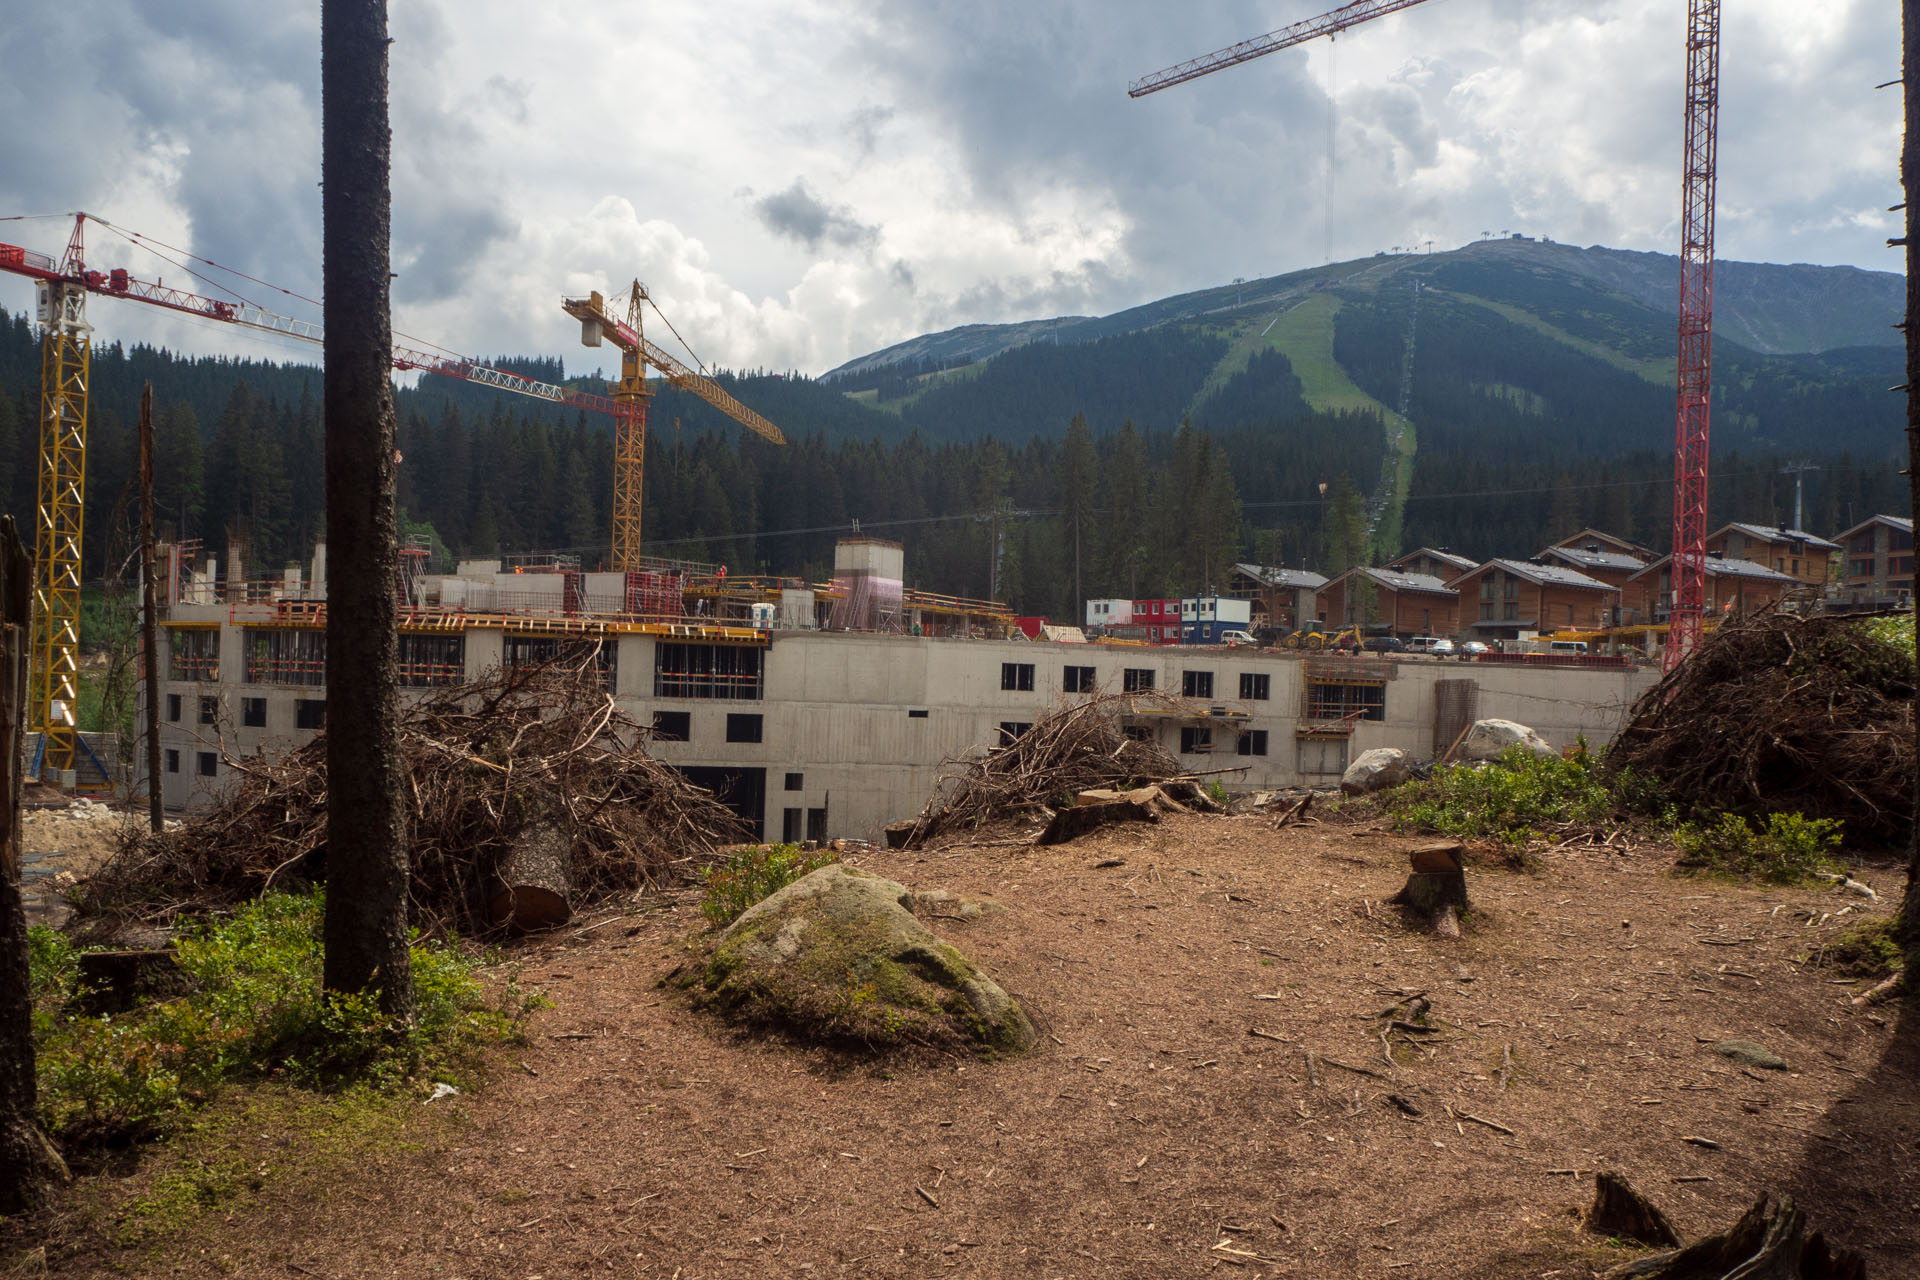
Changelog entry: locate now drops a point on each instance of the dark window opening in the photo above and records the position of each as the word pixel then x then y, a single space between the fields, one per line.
pixel 253 712
pixel 1140 732
pixel 816 824
pixel 706 671
pixel 209 710
pixel 173 706
pixel 1017 676
pixel 569 653
pixel 1196 740
pixel 286 655
pixel 430 661
pixel 1255 688
pixel 1329 701
pixel 1136 679
pixel 1196 684
pixel 1010 730
pixel 310 713
pixel 796 782
pixel 1079 679
pixel 193 654
pixel 673 726
pixel 209 765
pixel 173 760
pixel 917 715
pixel 790 827
pixel 1253 742
pixel 743 728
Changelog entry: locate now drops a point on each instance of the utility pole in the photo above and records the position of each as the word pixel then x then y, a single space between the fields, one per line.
pixel 149 628
pixel 1798 471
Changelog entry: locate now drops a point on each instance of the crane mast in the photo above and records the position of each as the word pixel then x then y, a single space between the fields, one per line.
pixel 1694 399
pixel 1687 609
pixel 66 349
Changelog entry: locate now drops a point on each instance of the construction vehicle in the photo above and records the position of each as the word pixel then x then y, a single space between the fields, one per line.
pixel 62 288
pixel 1312 638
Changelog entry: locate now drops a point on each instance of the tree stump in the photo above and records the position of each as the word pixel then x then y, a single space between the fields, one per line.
pixel 1619 1210
pixel 1769 1242
pixel 536 881
pixel 900 833
pixel 115 981
pixel 1077 820
pixel 1437 889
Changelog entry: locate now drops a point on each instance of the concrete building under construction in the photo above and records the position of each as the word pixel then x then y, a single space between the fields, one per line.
pixel 820 710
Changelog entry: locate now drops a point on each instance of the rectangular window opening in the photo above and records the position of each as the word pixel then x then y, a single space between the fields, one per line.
pixel 286 655
pixel 673 726
pixel 1137 679
pixel 432 661
pixel 1017 676
pixel 796 782
pixel 173 707
pixel 253 712
pixel 707 671
pixel 1079 679
pixel 918 713
pixel 173 760
pixel 209 710
pixel 790 828
pixel 744 727
pixel 1255 687
pixel 209 765
pixel 1332 700
pixel 1196 740
pixel 1010 730
pixel 310 713
pixel 193 654
pixel 1196 684
pixel 1253 742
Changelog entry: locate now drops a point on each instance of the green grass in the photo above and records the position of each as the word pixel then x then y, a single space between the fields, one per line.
pixel 1304 335
pixel 255 1012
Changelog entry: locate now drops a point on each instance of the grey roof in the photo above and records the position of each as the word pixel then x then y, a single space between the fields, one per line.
pixel 1597 559
pixel 1777 535
pixel 1275 576
pixel 1546 575
pixel 1728 567
pixel 1445 557
pixel 1410 582
pixel 1899 522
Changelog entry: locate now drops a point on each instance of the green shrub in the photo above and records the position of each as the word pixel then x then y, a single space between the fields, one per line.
pixel 257 1010
pixel 1217 791
pixel 1509 802
pixel 754 871
pixel 1788 849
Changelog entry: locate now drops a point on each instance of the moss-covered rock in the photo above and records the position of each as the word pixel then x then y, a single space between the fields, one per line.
pixel 837 956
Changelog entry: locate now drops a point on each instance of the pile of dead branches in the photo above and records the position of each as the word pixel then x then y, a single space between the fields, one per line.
pixel 1069 750
pixel 485 763
pixel 1782 714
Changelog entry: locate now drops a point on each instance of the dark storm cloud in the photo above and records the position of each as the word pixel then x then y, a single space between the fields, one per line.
pixel 798 213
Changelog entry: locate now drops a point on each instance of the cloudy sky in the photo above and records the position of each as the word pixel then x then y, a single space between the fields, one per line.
pixel 802 182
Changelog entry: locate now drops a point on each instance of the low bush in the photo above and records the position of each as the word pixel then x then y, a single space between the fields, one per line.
pixel 753 872
pixel 1517 799
pixel 257 1010
pixel 1788 849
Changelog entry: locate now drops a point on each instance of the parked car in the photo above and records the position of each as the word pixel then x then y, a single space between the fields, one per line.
pixel 1237 638
pixel 1422 644
pixel 1442 648
pixel 1384 644
pixel 1471 648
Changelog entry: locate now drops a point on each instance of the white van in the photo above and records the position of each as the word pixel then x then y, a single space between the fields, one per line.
pixel 1568 648
pixel 1422 644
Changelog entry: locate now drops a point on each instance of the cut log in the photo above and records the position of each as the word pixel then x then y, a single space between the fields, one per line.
pixel 536 881
pixel 1769 1242
pixel 1439 894
pixel 900 833
pixel 1072 823
pixel 1619 1210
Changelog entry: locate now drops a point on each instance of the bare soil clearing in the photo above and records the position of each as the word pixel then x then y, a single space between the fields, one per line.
pixel 1170 1123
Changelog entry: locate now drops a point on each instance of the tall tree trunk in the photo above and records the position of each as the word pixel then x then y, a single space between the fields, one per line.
pixel 366 921
pixel 1909 924
pixel 156 812
pixel 29 1165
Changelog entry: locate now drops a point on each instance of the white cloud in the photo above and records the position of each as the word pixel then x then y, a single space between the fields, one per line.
pixel 929 164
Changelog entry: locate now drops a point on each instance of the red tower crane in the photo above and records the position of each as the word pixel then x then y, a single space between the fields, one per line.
pixel 1695 382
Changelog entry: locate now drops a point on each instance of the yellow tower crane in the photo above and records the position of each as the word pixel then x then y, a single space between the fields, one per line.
pixel 631 395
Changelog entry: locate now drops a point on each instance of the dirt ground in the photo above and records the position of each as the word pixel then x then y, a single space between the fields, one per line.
pixel 1167 1125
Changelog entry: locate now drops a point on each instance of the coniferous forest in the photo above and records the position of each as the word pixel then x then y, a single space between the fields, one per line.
pixel 1137 464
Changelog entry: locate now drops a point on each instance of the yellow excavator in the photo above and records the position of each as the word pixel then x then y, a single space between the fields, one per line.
pixel 1314 639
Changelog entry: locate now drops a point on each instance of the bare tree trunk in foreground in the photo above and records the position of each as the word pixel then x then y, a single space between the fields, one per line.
pixel 29 1166
pixel 366 921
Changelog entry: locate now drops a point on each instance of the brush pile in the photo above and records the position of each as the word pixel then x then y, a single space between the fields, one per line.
pixel 488 766
pixel 1780 714
pixel 1071 749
